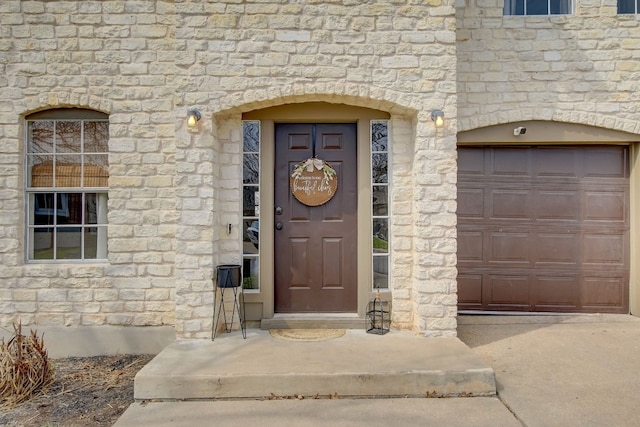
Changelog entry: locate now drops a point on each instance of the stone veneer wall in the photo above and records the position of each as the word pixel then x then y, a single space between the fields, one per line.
pixel 116 57
pixel 386 55
pixel 172 190
pixel 582 68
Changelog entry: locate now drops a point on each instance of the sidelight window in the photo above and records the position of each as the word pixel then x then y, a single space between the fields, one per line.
pixel 380 202
pixel 66 185
pixel 251 204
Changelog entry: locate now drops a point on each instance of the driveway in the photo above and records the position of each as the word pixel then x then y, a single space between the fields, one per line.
pixel 581 370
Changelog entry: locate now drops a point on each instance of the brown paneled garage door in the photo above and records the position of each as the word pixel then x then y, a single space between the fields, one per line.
pixel 543 228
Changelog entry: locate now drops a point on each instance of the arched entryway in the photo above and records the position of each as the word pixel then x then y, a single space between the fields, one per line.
pixel 313 259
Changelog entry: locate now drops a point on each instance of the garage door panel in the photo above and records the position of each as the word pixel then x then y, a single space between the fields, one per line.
pixel 539 228
pixel 508 290
pixel 605 206
pixel 559 249
pixel 604 249
pixel 556 205
pixel 470 291
pixel 606 162
pixel 510 204
pixel 511 247
pixel 471 203
pixel 471 162
pixel 470 246
pixel 556 292
pixel 557 162
pixel 510 162
pixel 604 293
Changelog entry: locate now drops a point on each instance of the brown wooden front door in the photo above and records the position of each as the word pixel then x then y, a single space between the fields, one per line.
pixel 316 247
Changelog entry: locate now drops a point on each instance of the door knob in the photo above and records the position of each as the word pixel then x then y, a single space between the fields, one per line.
pixel 279 226
pixel 278 210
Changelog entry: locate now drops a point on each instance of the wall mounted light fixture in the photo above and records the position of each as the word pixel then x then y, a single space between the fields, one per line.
pixel 438 117
pixel 193 116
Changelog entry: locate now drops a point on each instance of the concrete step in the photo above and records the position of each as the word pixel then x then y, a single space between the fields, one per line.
pixel 313 321
pixel 355 365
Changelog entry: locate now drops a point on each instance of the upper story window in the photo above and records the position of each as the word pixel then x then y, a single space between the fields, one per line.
pixel 628 6
pixel 67 177
pixel 538 7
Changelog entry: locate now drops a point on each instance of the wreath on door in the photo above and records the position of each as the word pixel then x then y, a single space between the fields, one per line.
pixel 313 182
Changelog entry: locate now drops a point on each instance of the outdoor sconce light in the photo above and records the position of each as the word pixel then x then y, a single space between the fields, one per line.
pixel 438 117
pixel 378 316
pixel 193 116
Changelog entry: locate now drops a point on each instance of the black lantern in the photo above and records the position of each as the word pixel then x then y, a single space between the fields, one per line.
pixel 378 316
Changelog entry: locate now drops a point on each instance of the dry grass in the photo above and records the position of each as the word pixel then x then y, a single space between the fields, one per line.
pixel 24 368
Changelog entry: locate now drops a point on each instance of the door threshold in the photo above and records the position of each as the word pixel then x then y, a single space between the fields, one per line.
pixel 313 321
pixel 313 315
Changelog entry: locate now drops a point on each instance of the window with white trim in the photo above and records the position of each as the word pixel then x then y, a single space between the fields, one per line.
pixel 538 7
pixel 67 174
pixel 628 6
pixel 380 202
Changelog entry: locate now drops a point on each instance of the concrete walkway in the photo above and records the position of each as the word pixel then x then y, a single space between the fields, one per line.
pixel 550 371
pixel 450 412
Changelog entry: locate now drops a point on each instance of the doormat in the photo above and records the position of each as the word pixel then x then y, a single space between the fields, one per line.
pixel 306 335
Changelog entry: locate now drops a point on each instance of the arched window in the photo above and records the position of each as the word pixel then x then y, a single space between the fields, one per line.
pixel 67 174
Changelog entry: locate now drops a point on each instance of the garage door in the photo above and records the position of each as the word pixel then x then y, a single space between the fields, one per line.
pixel 543 229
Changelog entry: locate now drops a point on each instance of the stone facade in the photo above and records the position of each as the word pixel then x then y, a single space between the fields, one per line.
pixel 241 57
pixel 109 57
pixel 582 68
pixel 172 190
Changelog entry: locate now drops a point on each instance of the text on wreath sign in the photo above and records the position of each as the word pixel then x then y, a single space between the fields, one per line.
pixel 311 185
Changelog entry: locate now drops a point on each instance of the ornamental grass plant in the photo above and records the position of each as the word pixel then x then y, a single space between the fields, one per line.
pixel 24 368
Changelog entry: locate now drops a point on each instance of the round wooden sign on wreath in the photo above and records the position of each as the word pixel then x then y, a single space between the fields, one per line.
pixel 313 182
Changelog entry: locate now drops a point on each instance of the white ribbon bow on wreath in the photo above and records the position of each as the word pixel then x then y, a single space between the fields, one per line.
pixel 313 162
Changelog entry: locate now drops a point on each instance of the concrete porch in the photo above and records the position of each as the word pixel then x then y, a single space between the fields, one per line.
pixel 355 365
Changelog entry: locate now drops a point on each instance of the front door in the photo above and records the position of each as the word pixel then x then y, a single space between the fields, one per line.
pixel 316 246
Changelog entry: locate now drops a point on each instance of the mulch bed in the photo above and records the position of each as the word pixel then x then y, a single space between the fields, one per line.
pixel 88 391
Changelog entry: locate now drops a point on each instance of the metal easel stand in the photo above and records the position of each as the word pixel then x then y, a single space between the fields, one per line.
pixel 238 307
pixel 227 279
